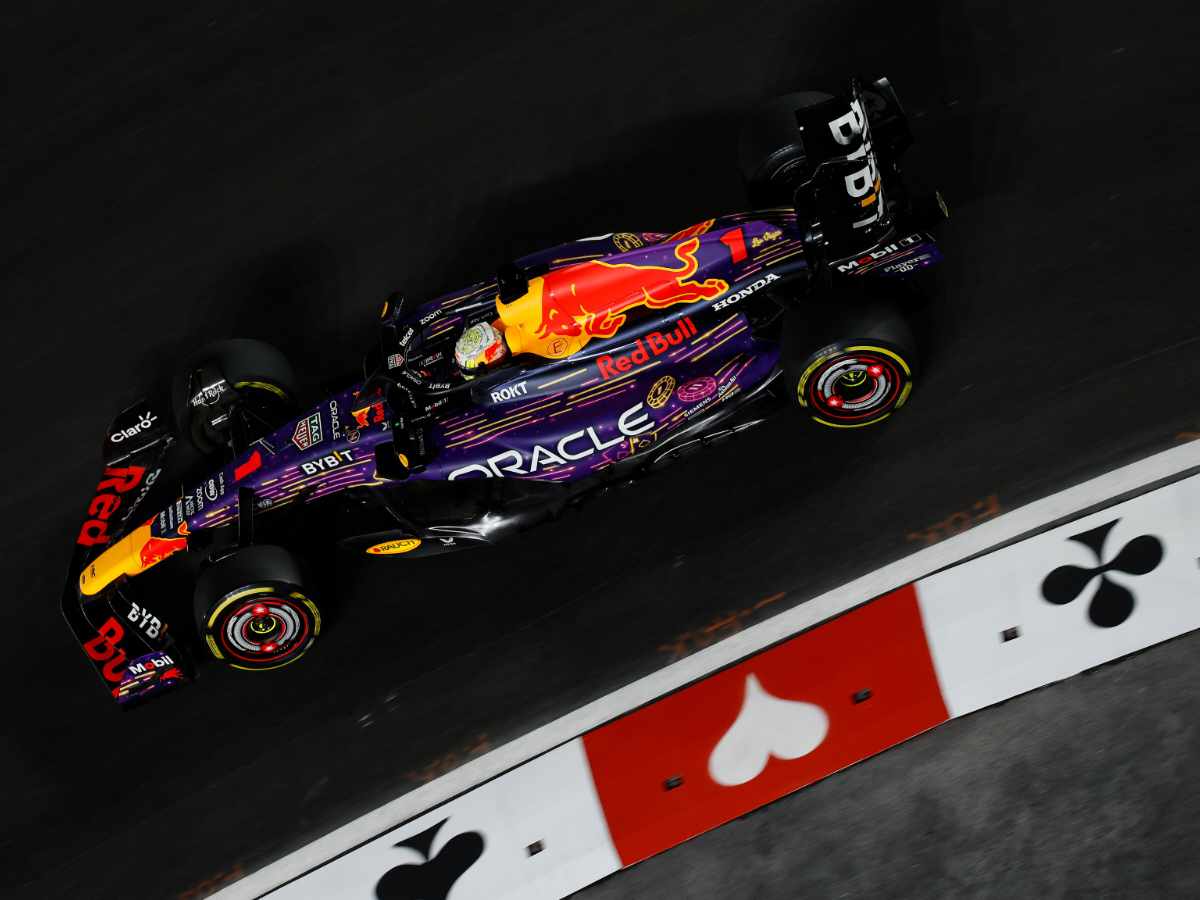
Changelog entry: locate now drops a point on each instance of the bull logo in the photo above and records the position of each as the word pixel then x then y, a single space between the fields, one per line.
pixel 593 299
pixel 156 549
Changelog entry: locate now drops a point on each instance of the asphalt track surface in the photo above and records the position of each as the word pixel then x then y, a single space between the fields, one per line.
pixel 217 171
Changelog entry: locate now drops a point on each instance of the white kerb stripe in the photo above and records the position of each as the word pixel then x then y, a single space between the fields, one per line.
pixel 1168 464
pixel 993 634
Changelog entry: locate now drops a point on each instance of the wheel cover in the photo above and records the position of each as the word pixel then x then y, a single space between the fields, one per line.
pixel 849 387
pixel 263 628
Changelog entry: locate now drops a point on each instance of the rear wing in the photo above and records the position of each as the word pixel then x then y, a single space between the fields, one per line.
pixel 889 124
pixel 129 647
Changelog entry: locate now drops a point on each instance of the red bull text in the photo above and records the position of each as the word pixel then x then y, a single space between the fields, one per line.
pixel 653 344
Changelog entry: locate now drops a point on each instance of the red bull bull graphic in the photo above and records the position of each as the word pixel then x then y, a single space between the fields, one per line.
pixel 156 549
pixel 566 308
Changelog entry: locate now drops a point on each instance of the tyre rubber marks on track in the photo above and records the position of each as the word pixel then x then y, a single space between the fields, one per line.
pixel 958 522
pixel 448 762
pixel 208 885
pixel 720 627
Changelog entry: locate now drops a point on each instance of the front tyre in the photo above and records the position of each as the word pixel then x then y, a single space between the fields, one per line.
pixel 235 390
pixel 856 379
pixel 253 610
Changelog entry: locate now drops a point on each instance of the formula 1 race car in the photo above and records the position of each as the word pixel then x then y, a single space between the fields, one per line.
pixel 621 353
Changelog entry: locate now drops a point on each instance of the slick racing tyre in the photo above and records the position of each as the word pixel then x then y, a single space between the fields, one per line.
pixel 771 152
pixel 237 388
pixel 253 610
pixel 858 375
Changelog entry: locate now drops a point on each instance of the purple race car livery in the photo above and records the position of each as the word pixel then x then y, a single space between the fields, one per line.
pixel 618 354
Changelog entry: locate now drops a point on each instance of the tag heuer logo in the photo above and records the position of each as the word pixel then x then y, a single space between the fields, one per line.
pixel 308 432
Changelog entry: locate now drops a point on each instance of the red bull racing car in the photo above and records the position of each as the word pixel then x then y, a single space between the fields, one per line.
pixel 487 410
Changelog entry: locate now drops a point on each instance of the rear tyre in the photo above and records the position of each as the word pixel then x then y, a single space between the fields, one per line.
pixel 253 610
pixel 248 382
pixel 771 152
pixel 856 371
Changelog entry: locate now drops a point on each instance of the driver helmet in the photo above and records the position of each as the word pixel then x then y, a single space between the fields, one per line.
pixel 480 345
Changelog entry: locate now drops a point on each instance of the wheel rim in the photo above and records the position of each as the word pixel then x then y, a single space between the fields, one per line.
pixel 849 387
pixel 262 628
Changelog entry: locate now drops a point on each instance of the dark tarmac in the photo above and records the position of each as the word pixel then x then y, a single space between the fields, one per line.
pixel 221 171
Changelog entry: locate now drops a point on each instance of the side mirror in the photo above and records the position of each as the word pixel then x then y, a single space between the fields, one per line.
pixel 511 282
pixel 816 251
pixel 393 304
pixel 388 462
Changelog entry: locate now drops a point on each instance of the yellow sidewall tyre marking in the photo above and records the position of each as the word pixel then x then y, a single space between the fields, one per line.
pixel 212 646
pixel 269 668
pixel 237 595
pixel 262 386
pixel 248 592
pixel 855 425
pixel 312 607
pixel 896 356
pixel 830 352
pixel 804 377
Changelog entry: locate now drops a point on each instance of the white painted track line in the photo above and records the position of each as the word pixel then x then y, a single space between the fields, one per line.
pixel 1131 478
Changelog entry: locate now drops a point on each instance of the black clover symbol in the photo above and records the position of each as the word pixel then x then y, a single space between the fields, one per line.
pixel 1112 603
pixel 433 878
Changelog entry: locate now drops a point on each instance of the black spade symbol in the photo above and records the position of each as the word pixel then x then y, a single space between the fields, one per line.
pixel 432 879
pixel 1112 603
